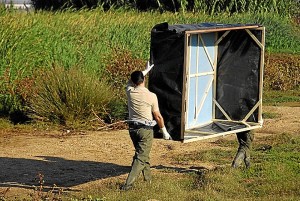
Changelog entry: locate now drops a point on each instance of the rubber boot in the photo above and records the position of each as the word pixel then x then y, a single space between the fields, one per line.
pixel 238 159
pixel 247 159
pixel 243 154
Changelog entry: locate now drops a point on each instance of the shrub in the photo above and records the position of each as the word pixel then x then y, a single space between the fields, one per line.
pixel 117 73
pixel 13 95
pixel 68 95
pixel 282 72
pixel 119 70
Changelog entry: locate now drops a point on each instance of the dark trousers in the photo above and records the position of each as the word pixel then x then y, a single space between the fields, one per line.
pixel 142 141
pixel 245 141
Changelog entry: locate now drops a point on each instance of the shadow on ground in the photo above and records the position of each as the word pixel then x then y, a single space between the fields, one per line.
pixel 24 173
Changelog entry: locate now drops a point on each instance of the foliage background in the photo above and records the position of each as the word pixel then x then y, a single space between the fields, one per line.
pixel 107 43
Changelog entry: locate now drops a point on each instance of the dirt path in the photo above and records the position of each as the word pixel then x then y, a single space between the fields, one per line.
pixel 74 162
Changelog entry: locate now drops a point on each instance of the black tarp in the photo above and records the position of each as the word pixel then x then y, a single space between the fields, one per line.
pixel 166 78
pixel 238 71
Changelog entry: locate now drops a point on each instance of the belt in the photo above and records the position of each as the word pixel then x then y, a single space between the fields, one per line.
pixel 135 125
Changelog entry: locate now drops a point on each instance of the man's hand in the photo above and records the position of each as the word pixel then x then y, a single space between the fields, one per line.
pixel 165 133
pixel 148 68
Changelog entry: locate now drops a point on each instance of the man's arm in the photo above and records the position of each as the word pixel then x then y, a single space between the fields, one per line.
pixel 129 85
pixel 160 121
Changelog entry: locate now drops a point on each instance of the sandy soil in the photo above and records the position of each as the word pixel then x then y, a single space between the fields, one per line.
pixel 73 161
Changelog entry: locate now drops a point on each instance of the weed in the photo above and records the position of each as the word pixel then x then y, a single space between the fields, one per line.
pixel 224 143
pixel 13 95
pixel 39 194
pixel 219 156
pixel 89 198
pixel 119 70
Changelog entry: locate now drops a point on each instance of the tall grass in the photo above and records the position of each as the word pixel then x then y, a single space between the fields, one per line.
pixel 280 7
pixel 68 96
pixel 14 91
pixel 88 39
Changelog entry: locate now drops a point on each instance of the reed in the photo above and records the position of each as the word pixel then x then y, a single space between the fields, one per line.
pixel 66 96
pixel 86 39
pixel 89 40
pixel 281 7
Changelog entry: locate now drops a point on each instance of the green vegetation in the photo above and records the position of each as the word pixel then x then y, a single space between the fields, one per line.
pixel 70 67
pixel 273 97
pixel 97 43
pixel 61 95
pixel 212 7
pixel 270 115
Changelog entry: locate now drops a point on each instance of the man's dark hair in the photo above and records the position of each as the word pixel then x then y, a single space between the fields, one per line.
pixel 137 77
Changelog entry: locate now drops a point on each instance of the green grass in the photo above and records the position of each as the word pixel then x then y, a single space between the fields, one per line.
pixel 270 115
pixel 275 98
pixel 90 39
pixel 85 39
pixel 274 175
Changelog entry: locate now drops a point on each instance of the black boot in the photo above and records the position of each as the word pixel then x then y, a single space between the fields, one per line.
pixel 247 158
pixel 247 162
pixel 245 140
pixel 238 159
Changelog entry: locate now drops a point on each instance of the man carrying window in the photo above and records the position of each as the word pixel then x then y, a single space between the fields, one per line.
pixel 142 107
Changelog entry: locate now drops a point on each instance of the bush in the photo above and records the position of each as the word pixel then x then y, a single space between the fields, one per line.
pixel 13 95
pixel 117 110
pixel 282 72
pixel 117 73
pixel 119 70
pixel 68 95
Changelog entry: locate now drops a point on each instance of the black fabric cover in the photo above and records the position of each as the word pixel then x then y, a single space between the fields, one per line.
pixel 166 78
pixel 238 71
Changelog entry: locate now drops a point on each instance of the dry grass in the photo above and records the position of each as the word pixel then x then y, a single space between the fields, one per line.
pixel 282 72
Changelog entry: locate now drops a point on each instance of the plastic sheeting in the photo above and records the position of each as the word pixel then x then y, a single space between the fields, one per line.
pixel 238 80
pixel 165 79
pixel 238 70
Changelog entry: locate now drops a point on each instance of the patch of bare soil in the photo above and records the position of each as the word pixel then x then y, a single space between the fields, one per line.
pixel 76 161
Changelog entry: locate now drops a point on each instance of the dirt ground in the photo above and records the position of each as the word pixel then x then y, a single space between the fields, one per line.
pixel 75 161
